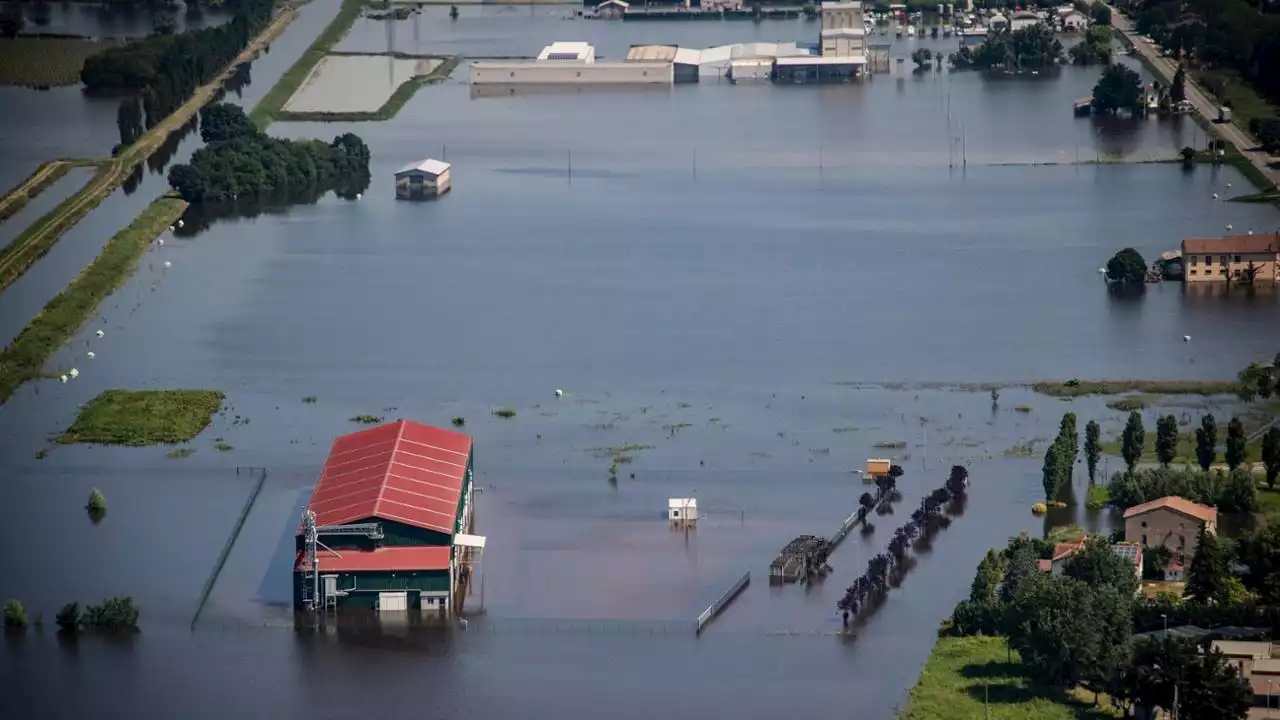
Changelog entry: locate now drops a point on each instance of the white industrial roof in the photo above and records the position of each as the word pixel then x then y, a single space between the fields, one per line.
pixel 822 60
pixel 688 56
pixel 718 54
pixel 429 166
pixel 580 49
pixel 841 5
pixel 752 62
pixel 855 32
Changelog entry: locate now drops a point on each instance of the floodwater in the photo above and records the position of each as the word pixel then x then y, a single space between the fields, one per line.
pixel 350 83
pixel 760 283
pixel 107 20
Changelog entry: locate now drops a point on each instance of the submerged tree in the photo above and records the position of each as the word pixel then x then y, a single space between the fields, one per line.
pixel 1119 88
pixel 1235 452
pixel 1207 441
pixel 1092 447
pixel 1166 439
pixel 1132 440
pixel 1127 268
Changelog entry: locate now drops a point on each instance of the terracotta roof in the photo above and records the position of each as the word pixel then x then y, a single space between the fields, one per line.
pixel 1233 244
pixel 1176 504
pixel 403 471
pixel 1044 565
pixel 387 559
pixel 1064 550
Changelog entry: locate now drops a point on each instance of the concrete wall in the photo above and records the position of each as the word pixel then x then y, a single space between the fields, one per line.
pixel 599 73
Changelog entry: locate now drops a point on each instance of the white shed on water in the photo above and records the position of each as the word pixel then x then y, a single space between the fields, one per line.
pixel 422 180
pixel 682 510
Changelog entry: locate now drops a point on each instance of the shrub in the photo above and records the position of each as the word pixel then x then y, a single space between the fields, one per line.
pixel 15 616
pixel 97 502
pixel 69 619
pixel 112 614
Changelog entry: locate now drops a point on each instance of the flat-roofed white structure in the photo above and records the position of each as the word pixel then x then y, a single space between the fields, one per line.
pixel 568 73
pixel 568 52
pixel 844 42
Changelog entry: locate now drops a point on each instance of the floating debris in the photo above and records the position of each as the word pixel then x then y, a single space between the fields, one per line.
pixel 159 241
pixel 100 333
pixel 73 373
pixel 180 222
pixel 1186 338
pixel 1215 196
pixel 167 264
pixel 90 355
pixel 62 378
pixel 559 392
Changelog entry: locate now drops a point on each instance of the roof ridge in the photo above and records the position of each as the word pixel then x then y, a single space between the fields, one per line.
pixel 391 460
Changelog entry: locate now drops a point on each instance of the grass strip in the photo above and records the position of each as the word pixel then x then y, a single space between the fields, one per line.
pixel 389 109
pixel 24 359
pixel 48 173
pixel 1079 388
pixel 144 417
pixel 269 107
pixel 965 673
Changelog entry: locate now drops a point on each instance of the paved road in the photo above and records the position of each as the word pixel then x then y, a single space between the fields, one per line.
pixel 1202 101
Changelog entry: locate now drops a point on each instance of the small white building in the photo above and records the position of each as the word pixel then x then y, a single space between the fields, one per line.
pixel 998 22
pixel 682 510
pixel 1072 19
pixel 423 180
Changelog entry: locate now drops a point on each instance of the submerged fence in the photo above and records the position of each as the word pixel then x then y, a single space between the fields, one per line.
pixel 718 606
pixel 261 474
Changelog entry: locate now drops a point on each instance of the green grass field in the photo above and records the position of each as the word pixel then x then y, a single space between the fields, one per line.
pixel 1186 452
pixel 962 671
pixel 144 417
pixel 32 62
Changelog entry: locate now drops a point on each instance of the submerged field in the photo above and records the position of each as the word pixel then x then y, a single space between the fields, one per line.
pixel 28 62
pixel 356 83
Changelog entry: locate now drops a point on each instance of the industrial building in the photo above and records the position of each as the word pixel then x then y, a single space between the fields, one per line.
pixel 386 527
pixel 839 55
pixel 571 63
pixel 423 180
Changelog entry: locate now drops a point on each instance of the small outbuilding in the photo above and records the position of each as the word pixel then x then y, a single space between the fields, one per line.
pixel 682 510
pixel 877 467
pixel 423 180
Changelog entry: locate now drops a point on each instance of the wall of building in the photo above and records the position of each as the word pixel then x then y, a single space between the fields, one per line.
pixel 842 18
pixel 600 73
pixel 1210 268
pixel 1164 527
pixel 425 580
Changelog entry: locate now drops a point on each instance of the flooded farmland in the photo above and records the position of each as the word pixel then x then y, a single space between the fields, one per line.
pixel 356 83
pixel 758 285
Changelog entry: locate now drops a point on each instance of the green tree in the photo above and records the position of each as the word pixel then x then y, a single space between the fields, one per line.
pixel 1092 447
pixel 15 616
pixel 1212 688
pixel 1067 632
pixel 1132 440
pixel 1056 470
pixel 1166 439
pixel 1235 443
pixel 1209 572
pixel 1067 431
pixel 867 501
pixel 11 19
pixel 1097 564
pixel 1021 567
pixel 113 614
pixel 1239 493
pixel 1119 88
pixel 68 618
pixel 987 579
pixel 1260 553
pixel 225 121
pixel 1127 266
pixel 129 120
pixel 1178 90
pixel 1207 442
pixel 1271 455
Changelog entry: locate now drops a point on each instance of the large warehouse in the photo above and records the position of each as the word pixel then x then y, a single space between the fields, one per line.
pixel 386 526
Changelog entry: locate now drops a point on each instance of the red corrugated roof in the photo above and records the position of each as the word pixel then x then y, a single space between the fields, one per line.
pixel 403 471
pixel 387 559
pixel 1177 504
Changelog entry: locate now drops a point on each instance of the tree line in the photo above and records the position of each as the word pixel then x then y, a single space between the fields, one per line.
pixel 1075 629
pixel 163 70
pixel 1231 491
pixel 1238 35
pixel 116 614
pixel 887 569
pixel 239 161
pixel 1029 48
